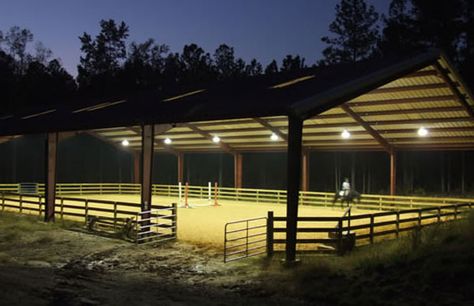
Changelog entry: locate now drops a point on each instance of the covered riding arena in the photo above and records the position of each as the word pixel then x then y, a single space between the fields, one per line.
pixel 388 105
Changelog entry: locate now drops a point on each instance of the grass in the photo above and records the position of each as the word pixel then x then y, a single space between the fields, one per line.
pixel 434 266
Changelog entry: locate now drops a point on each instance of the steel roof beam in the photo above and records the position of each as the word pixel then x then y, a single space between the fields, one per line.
pixel 384 143
pixel 273 129
pixel 454 88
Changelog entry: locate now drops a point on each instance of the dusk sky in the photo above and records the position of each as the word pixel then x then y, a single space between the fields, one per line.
pixel 264 29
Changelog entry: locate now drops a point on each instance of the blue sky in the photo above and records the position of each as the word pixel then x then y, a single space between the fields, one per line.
pixel 264 29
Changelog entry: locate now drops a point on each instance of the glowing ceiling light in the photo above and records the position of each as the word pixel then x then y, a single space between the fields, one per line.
pixel 345 134
pixel 274 137
pixel 422 132
pixel 167 141
pixel 216 139
pixel 125 143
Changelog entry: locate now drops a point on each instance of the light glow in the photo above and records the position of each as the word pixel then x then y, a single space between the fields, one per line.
pixel 345 134
pixel 422 132
pixel 167 141
pixel 125 143
pixel 216 139
pixel 274 137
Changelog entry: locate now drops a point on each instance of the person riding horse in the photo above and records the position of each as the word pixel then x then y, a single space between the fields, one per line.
pixel 346 194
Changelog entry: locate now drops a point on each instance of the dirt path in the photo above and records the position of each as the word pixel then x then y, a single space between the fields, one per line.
pixel 44 265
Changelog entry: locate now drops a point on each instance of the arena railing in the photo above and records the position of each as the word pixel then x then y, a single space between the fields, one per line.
pixel 324 199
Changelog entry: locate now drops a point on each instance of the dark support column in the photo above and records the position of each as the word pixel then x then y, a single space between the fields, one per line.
pixel 50 181
pixel 237 170
pixel 136 167
pixel 295 130
pixel 393 173
pixel 180 167
pixel 147 165
pixel 305 172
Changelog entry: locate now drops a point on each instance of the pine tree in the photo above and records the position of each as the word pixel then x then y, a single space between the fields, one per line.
pixel 356 33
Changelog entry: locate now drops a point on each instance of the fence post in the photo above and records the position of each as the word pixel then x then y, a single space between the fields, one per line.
pixel 371 229
pixel 174 223
pixel 270 234
pixel 339 237
pixel 247 239
pixel 21 203
pixel 39 204
pixel 86 206
pixel 115 215
pixel 419 217
pixel 398 224
pixel 62 209
pixel 3 201
pixel 455 211
pixel 257 196
pixel 380 203
pixel 439 214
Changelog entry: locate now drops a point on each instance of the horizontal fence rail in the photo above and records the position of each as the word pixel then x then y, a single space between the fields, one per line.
pixel 340 234
pixel 323 199
pixel 245 238
pixel 160 222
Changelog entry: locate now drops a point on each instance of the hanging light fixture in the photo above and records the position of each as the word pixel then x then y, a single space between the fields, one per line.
pixel 125 143
pixel 345 134
pixel 216 139
pixel 167 141
pixel 274 137
pixel 422 132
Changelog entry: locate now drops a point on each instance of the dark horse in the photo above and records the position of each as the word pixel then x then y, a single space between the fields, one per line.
pixel 352 196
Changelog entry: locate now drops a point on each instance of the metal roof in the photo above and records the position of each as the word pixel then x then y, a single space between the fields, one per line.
pixel 382 103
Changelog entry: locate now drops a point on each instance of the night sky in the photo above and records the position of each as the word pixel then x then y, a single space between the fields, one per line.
pixel 264 29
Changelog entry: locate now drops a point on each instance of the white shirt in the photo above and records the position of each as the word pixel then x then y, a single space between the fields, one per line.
pixel 346 186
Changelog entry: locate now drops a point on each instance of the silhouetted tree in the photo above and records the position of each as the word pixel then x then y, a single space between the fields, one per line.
pixel 16 40
pixel 102 57
pixel 292 63
pixel 145 64
pixel 466 49
pixel 356 33
pixel 254 68
pixel 196 65
pixel 272 67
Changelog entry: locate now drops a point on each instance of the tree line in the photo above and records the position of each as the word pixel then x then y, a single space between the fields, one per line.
pixel 110 66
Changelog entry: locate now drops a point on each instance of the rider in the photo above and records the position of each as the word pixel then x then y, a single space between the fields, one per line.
pixel 346 187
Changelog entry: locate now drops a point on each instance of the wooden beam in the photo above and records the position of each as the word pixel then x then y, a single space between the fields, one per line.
pixel 393 173
pixel 454 88
pixel 295 133
pixel 147 166
pixel 209 136
pixel 368 128
pixel 50 180
pixel 237 170
pixel 273 129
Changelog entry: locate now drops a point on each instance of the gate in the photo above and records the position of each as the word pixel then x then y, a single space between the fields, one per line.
pixel 246 238
pixel 156 225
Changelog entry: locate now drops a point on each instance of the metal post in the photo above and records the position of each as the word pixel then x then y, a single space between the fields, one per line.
pixel 295 131
pixel 147 166
pixel 136 167
pixel 237 170
pixel 180 166
pixel 50 180
pixel 393 173
pixel 270 234
pixel 305 171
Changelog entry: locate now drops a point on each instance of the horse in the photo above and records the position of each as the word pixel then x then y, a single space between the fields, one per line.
pixel 351 197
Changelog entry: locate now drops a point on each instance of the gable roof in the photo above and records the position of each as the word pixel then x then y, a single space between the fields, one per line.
pixel 388 97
